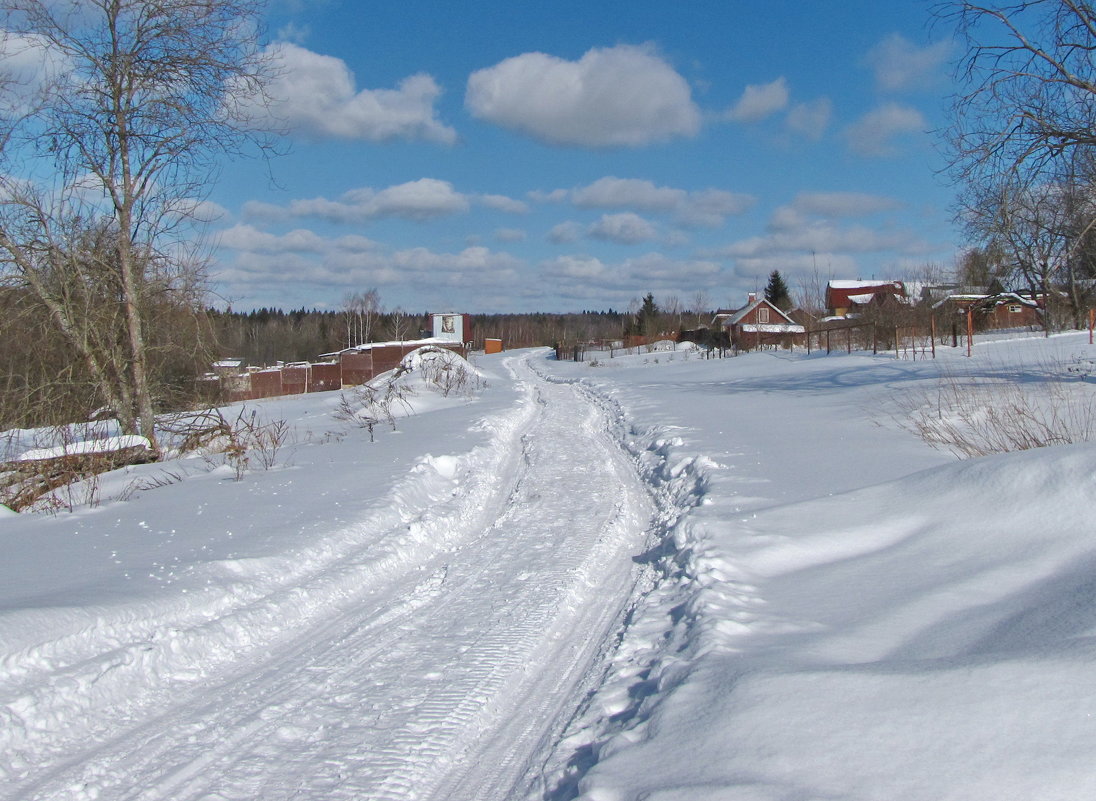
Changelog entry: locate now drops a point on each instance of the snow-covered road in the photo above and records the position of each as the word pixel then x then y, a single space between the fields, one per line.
pixel 449 674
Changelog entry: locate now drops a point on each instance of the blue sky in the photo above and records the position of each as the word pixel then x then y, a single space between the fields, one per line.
pixel 491 157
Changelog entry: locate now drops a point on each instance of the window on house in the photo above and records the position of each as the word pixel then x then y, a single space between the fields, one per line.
pixel 1014 309
pixel 763 315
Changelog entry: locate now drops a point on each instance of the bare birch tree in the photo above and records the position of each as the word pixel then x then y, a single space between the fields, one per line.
pixel 361 311
pixel 107 155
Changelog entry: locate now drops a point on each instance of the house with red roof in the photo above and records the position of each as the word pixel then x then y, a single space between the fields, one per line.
pixel 846 297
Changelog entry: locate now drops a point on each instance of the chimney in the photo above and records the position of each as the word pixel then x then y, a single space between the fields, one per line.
pixel 751 299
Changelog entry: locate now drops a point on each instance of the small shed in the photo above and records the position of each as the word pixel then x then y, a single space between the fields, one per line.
pixel 452 327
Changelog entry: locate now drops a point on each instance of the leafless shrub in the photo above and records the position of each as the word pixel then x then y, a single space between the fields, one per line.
pixel 164 478
pixel 981 415
pixel 239 441
pixel 449 373
pixel 370 405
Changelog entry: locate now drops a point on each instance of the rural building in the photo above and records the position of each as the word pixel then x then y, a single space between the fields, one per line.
pixel 847 297
pixel 450 327
pixel 993 312
pixel 757 324
pixel 345 368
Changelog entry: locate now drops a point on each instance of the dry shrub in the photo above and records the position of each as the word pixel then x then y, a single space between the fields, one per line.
pixel 240 440
pixel 369 405
pixel 449 373
pixel 981 415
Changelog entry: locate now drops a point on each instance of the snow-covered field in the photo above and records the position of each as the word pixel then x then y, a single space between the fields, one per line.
pixel 658 577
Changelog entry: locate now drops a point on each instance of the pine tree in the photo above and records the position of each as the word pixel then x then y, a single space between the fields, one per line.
pixel 776 292
pixel 649 316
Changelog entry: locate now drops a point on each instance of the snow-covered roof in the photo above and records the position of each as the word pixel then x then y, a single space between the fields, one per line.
pixel 733 318
pixel 996 300
pixel 842 284
pixel 773 328
pixel 366 346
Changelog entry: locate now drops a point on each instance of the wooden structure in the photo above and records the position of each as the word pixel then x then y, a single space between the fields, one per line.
pixel 845 297
pixel 759 324
pixel 344 368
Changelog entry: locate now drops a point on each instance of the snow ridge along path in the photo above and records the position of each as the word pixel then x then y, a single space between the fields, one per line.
pixel 433 652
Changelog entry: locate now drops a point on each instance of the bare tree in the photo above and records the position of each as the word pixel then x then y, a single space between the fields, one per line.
pixel 399 324
pixel 701 308
pixel 810 293
pixel 360 313
pixel 1034 226
pixel 107 161
pixel 1028 84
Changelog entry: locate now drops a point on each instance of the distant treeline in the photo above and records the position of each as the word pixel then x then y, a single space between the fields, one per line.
pixel 265 336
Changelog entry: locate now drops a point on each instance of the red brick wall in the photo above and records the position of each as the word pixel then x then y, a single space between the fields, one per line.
pixel 357 368
pixel 352 368
pixel 325 376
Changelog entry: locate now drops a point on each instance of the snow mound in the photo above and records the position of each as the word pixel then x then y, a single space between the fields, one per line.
pixel 898 641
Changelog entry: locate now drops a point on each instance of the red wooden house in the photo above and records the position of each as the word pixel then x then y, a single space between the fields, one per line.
pixel 994 312
pixel 844 297
pixel 758 324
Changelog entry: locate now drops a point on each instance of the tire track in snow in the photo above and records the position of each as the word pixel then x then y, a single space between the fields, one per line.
pixel 450 681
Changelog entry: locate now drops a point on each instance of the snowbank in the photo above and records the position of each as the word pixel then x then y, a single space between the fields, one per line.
pixel 929 638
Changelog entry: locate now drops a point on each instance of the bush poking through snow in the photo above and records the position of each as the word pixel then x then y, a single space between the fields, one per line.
pixel 446 372
pixel 369 405
pixel 977 415
pixel 240 441
pixel 430 369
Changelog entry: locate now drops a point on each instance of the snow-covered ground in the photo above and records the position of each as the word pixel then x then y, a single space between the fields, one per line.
pixel 656 577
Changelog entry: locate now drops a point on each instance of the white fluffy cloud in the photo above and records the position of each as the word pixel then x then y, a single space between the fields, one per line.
pixel 316 95
pixel 247 238
pixel 655 270
pixel 875 133
pixel 302 257
pixel 624 229
pixel 503 203
pixel 565 232
pixel 759 101
pixel 510 235
pixel 424 199
pixel 842 204
pixel 810 119
pixel 703 208
pixel 611 192
pixel 899 64
pixel 623 96
pixel 29 64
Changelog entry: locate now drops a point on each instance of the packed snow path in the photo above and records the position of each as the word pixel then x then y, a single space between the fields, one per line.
pixel 448 678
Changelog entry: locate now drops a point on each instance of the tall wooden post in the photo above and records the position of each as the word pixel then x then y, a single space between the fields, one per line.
pixel 970 329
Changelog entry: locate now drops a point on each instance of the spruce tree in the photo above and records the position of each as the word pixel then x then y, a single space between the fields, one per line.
pixel 776 292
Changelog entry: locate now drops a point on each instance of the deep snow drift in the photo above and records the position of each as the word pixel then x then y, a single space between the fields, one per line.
pixel 808 601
